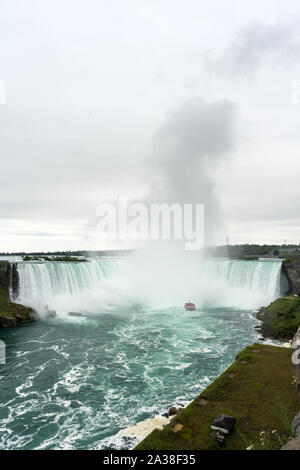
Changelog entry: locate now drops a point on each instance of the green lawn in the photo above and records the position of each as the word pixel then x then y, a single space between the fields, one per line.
pixel 281 318
pixel 257 389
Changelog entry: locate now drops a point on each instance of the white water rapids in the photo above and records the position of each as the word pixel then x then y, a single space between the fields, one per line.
pixel 103 381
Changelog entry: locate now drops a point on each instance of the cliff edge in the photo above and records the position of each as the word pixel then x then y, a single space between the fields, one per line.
pixel 257 390
pixel 291 271
pixel 281 319
pixel 11 313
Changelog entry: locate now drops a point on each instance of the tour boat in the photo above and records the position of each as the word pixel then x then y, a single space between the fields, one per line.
pixel 190 306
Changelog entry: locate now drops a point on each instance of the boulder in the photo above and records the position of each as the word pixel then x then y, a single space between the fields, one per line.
pixel 202 401
pixel 293 444
pixel 7 322
pixel 177 427
pixel 173 411
pixel 51 314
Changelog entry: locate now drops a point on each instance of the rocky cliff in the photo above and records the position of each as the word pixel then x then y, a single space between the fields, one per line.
pixel 291 270
pixel 4 275
pixel 281 319
pixel 11 313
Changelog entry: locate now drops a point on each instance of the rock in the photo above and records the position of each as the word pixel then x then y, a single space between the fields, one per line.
pixel 293 444
pixel 291 271
pixel 7 322
pixel 19 318
pixel 280 319
pixel 11 313
pixel 51 314
pixel 296 425
pixel 173 411
pixel 177 427
pixel 202 402
pixel 75 314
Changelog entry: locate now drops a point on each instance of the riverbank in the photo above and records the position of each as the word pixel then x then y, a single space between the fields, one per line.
pixel 156 357
pixel 257 389
pixel 281 319
pixel 11 313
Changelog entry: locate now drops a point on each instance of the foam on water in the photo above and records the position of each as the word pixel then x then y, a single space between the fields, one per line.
pixel 78 385
pixel 141 430
pixel 100 381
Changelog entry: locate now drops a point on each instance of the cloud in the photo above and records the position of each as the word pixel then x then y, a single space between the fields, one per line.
pixel 86 93
pixel 257 45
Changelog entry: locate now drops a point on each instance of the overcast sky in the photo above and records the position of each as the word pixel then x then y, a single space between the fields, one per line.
pixel 103 97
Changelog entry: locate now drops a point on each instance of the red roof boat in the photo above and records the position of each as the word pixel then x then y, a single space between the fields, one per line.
pixel 190 306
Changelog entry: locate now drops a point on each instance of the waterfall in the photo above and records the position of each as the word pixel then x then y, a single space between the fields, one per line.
pixel 52 278
pixel 89 286
pixel 257 276
pixel 40 284
pixel 240 284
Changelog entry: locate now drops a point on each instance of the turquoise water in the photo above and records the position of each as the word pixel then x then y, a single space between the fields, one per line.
pixel 77 382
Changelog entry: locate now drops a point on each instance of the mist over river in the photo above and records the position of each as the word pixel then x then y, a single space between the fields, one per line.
pixel 75 382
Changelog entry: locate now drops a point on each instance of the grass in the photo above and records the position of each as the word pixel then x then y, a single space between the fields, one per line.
pixel 257 389
pixel 11 310
pixel 281 318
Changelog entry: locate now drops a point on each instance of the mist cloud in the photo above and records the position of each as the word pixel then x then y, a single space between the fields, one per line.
pixel 191 143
